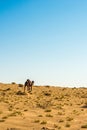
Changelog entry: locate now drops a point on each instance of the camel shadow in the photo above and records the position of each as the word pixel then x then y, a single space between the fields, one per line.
pixel 85 106
pixel 20 93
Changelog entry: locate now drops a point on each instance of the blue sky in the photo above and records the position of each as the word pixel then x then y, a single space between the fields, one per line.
pixel 45 41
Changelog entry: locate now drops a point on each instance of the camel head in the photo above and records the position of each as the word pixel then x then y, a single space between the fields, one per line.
pixel 32 82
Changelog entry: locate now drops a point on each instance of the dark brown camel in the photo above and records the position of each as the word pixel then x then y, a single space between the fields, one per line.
pixel 29 85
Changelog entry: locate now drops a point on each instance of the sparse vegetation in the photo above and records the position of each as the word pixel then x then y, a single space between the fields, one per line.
pixel 40 115
pixel 69 118
pixel 47 93
pixel 20 85
pixel 67 125
pixel 60 113
pixel 13 83
pixel 43 122
pixel 84 126
pixel 54 108
pixel 48 110
pixel 2 120
pixel 36 121
pixel 61 120
pixel 15 113
pixel 4 117
pixel 49 115
pixel 25 109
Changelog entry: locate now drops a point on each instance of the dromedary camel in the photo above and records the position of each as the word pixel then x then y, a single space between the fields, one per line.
pixel 29 85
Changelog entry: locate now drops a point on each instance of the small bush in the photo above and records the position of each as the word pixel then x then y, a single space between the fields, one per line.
pixel 48 115
pixel 43 122
pixel 4 117
pixel 20 85
pixel 40 116
pixel 10 108
pixel 20 93
pixel 84 126
pixel 61 120
pixel 60 113
pixel 59 127
pixel 13 83
pixel 56 126
pixel 36 121
pixel 2 120
pixel 25 109
pixel 48 110
pixel 15 113
pixel 47 86
pixel 59 107
pixel 67 125
pixel 69 118
pixel 46 93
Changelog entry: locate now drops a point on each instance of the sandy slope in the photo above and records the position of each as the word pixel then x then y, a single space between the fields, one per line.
pixel 46 108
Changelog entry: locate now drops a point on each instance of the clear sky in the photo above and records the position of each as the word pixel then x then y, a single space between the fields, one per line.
pixel 45 41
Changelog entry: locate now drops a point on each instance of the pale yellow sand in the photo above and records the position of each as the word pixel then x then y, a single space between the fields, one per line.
pixel 55 108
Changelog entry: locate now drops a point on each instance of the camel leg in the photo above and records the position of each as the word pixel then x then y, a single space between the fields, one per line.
pixel 31 87
pixel 24 88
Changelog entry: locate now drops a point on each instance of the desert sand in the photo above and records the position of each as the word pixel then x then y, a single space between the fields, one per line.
pixel 46 108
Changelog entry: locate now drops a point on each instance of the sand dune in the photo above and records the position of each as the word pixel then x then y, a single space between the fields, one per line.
pixel 46 108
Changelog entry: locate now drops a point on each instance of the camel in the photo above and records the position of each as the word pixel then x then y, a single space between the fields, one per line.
pixel 29 85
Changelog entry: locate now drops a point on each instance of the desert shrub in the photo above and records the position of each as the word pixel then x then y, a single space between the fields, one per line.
pixel 25 109
pixel 56 126
pixel 43 122
pixel 84 96
pixel 59 127
pixel 60 113
pixel 15 113
pixel 20 93
pixel 70 104
pixel 69 118
pixel 59 107
pixel 7 89
pixel 20 85
pixel 40 116
pixel 47 110
pixel 84 126
pixel 56 98
pixel 86 103
pixel 43 104
pixel 3 94
pixel 36 121
pixel 4 117
pixel 82 109
pixel 61 97
pixel 61 120
pixel 47 86
pixel 46 93
pixel 48 115
pixel 13 83
pixel 12 114
pixel 10 108
pixel 18 112
pixel 2 120
pixel 67 125
pixel 6 101
pixel 75 111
